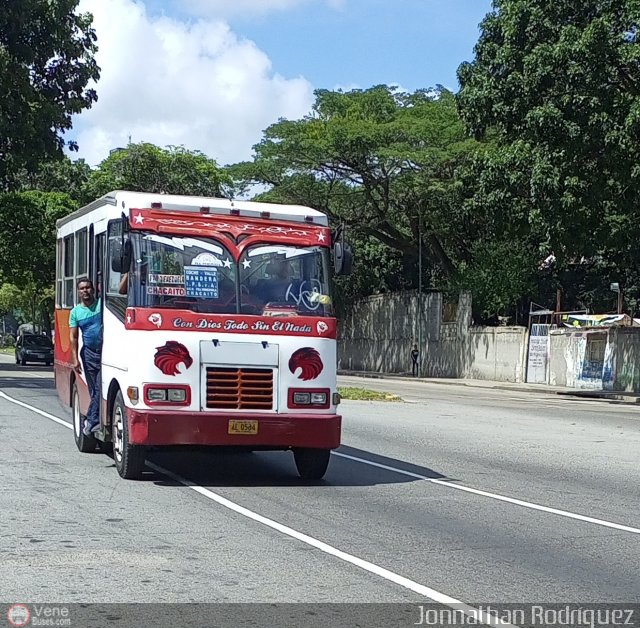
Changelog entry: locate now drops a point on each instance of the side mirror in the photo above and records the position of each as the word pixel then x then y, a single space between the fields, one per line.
pixel 121 255
pixel 342 258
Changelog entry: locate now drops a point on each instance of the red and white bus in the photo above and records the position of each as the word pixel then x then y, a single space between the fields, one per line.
pixel 225 336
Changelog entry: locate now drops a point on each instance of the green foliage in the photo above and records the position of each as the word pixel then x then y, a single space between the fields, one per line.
pixel 29 304
pixel 28 235
pixel 501 273
pixel 384 163
pixel 551 100
pixel 10 298
pixel 363 394
pixel 557 83
pixel 148 168
pixel 375 159
pixel 59 175
pixel 377 268
pixel 28 252
pixel 46 62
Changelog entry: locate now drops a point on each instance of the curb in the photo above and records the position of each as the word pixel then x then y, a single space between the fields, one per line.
pixel 435 380
pixel 612 397
pixel 603 395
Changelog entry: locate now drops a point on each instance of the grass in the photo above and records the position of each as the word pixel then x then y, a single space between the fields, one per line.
pixel 7 350
pixel 362 394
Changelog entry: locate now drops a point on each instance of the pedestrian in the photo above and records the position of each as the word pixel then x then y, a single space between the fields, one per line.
pixel 87 316
pixel 414 360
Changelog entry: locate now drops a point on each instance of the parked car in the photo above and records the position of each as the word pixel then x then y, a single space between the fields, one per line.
pixel 32 348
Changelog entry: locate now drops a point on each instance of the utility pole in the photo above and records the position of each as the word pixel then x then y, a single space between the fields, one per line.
pixel 420 348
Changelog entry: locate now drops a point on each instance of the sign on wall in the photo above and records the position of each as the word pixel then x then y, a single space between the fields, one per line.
pixel 538 359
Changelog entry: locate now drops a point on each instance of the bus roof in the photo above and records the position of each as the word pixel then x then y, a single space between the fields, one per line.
pixel 251 209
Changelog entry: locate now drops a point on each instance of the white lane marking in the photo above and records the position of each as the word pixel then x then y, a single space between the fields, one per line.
pixel 434 595
pixel 478 614
pixel 503 498
pixel 459 487
pixel 36 410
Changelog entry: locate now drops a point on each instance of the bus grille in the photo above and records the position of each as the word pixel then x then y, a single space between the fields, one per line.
pixel 239 388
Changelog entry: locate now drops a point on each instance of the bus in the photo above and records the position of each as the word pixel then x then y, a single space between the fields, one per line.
pixel 224 333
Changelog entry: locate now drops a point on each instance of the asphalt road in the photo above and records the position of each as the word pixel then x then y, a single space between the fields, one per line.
pixel 463 494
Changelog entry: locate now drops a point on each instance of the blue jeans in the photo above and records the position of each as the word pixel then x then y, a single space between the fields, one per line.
pixel 92 364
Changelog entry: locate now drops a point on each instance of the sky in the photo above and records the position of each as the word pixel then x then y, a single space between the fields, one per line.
pixel 211 75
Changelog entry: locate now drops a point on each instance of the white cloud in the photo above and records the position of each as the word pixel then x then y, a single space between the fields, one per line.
pixel 194 84
pixel 250 8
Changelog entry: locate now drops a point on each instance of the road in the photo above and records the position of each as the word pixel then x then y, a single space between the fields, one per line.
pixel 457 493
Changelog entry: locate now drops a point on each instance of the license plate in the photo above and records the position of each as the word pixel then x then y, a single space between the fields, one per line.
pixel 243 427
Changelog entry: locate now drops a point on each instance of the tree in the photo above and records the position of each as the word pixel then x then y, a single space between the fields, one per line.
pixel 28 235
pixel 379 160
pixel 29 304
pixel 557 83
pixel 28 244
pixel 46 62
pixel 148 168
pixel 58 175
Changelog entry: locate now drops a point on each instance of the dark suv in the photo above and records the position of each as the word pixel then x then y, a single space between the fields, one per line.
pixel 32 348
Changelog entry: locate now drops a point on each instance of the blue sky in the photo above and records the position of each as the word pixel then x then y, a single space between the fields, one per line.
pixel 213 74
pixel 417 43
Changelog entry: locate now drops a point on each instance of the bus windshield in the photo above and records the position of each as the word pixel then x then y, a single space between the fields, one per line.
pixel 283 280
pixel 183 272
pixel 201 275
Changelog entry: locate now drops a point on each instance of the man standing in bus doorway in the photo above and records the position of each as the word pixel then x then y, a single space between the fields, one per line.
pixel 87 316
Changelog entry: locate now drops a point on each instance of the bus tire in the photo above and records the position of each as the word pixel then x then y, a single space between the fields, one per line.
pixel 129 459
pixel 311 463
pixel 85 444
pixel 105 447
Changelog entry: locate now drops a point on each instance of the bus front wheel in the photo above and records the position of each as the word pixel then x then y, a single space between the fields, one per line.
pixel 129 458
pixel 311 463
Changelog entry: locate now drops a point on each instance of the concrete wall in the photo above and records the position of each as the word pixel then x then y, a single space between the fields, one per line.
pixel 379 334
pixel 560 357
pixel 578 358
pixel 497 353
pixel 625 359
pixel 602 359
pixel 380 331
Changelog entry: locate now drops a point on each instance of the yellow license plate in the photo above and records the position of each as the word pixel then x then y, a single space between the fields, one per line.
pixel 243 427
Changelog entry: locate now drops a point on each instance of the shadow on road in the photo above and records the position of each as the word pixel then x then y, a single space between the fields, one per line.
pixel 218 468
pixel 18 376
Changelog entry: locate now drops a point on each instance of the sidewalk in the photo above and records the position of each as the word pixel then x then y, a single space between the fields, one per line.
pixel 619 397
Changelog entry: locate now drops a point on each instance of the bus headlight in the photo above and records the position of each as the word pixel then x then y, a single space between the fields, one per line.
pixel 157 394
pixel 315 399
pixel 318 398
pixel 177 395
pixel 302 398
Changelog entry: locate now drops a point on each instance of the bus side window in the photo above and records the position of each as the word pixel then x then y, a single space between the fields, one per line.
pixel 69 272
pixel 114 300
pixel 99 263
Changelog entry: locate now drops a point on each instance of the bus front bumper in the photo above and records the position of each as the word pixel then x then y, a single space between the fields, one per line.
pixel 164 427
